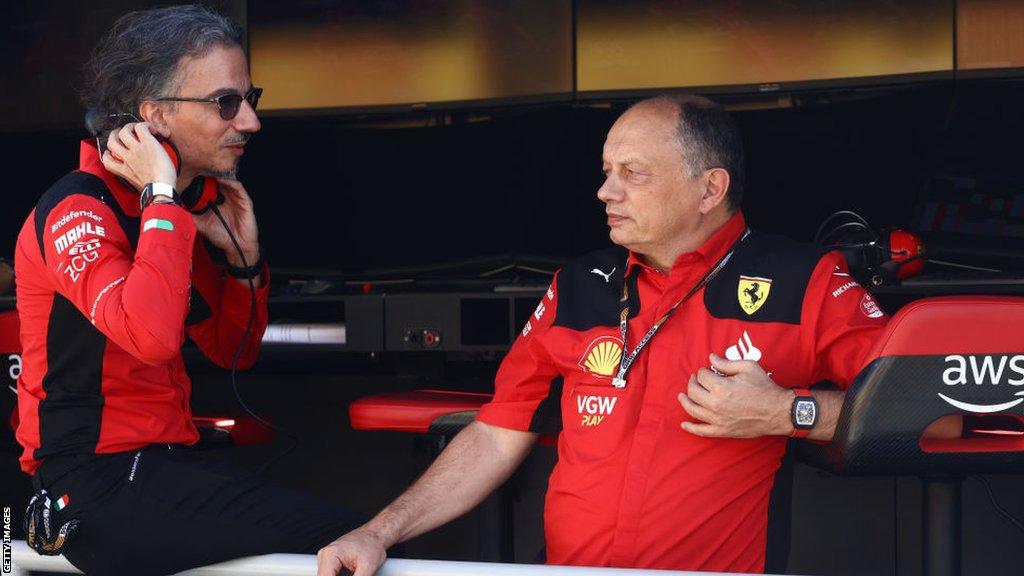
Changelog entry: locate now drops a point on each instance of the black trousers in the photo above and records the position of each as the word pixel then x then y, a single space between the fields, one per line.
pixel 162 510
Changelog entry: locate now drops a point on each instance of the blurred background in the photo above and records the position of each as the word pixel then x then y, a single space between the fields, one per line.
pixel 406 132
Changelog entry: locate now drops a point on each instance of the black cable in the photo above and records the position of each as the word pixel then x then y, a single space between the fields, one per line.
pixel 833 232
pixel 965 266
pixel 241 345
pixel 992 497
pixel 856 217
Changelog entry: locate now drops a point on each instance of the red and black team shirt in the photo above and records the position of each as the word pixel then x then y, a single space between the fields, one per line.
pixel 632 488
pixel 106 295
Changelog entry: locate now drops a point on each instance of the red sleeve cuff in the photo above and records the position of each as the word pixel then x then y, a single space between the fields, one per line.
pixel 166 225
pixel 513 415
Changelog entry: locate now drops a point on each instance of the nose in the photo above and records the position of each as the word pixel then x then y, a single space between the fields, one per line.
pixel 246 119
pixel 610 191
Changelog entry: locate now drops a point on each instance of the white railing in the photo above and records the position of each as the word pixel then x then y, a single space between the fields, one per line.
pixel 26 559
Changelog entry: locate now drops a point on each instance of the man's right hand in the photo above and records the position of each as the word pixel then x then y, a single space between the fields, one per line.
pixel 360 551
pixel 135 155
pixel 474 463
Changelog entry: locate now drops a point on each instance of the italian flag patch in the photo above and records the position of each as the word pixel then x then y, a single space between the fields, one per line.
pixel 61 503
pixel 158 224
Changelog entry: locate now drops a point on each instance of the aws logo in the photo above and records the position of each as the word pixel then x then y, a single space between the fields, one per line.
pixel 981 370
pixel 602 356
pixel 593 409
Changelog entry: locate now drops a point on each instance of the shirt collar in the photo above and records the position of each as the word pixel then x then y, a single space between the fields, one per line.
pixel 712 250
pixel 90 163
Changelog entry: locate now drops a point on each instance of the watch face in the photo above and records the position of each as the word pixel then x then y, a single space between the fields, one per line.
pixel 806 413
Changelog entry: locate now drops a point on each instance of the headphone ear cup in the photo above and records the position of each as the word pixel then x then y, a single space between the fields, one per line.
pixel 203 193
pixel 907 253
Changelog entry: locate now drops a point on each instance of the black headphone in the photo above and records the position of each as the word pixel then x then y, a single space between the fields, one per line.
pixel 875 258
pixel 202 194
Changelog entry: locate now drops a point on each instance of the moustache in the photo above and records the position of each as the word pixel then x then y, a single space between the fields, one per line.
pixel 241 139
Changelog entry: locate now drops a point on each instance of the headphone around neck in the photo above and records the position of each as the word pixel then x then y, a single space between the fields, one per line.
pixel 202 194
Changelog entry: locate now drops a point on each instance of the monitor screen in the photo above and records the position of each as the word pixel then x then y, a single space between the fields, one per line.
pixel 989 34
pixel 43 48
pixel 757 44
pixel 311 54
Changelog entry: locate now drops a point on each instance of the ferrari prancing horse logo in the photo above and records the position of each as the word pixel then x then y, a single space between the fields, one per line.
pixel 753 292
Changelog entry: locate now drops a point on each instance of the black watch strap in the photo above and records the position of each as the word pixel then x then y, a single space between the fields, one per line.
pixel 247 272
pixel 803 413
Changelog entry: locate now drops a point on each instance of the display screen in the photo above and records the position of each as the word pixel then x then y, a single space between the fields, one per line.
pixel 990 34
pixel 335 54
pixel 695 43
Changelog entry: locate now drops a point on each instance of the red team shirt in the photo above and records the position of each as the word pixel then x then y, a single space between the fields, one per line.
pixel 106 296
pixel 632 488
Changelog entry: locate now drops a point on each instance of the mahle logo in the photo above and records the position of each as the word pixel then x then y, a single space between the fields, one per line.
pixel 984 370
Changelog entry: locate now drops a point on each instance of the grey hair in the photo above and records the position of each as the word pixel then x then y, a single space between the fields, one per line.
pixel 708 138
pixel 138 58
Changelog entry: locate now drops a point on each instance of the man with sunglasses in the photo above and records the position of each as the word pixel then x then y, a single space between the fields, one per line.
pixel 113 273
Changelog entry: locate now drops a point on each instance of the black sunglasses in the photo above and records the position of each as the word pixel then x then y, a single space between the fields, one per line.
pixel 229 104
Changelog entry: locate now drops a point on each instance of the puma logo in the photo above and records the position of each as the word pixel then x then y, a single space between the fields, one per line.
pixel 606 277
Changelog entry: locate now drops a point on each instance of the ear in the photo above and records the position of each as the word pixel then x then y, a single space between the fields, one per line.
pixel 716 185
pixel 156 115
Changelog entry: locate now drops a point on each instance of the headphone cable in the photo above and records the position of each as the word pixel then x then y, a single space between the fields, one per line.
pixel 238 353
pixel 858 222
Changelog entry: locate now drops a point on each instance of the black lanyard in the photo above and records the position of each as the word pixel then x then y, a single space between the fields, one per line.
pixel 629 357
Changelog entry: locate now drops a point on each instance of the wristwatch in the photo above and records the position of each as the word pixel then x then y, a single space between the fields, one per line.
pixel 803 413
pixel 154 190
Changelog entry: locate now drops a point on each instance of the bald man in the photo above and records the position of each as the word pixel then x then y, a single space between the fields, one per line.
pixel 672 366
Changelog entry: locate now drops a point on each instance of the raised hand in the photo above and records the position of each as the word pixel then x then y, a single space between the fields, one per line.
pixel 134 154
pixel 237 211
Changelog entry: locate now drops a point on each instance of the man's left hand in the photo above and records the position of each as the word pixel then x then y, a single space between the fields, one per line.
pixel 740 401
pixel 238 214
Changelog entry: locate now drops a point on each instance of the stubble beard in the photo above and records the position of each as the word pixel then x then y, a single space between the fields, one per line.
pixel 229 174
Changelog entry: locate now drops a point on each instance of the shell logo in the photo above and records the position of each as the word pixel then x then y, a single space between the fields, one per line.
pixel 602 356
